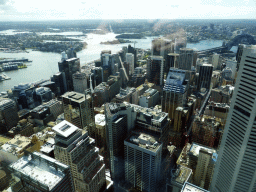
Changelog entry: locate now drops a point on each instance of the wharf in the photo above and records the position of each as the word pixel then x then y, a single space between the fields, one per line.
pixel 13 60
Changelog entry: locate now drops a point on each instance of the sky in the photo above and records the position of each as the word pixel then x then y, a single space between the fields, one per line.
pixel 27 10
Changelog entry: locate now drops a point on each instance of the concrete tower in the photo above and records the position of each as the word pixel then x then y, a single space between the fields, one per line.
pixel 236 166
pixel 76 149
pixel 80 82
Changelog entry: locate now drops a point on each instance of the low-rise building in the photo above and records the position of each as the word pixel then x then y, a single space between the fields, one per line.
pixel 41 173
pixel 149 99
pixel 128 94
pixel 12 150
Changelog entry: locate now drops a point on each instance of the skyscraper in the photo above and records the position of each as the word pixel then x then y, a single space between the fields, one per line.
pixel 204 167
pixel 161 47
pixel 80 82
pixel 134 52
pixel 75 148
pixel 142 161
pixel 239 54
pixel 236 167
pixel 205 76
pixel 69 67
pixel 60 81
pixel 78 109
pixel 116 132
pixel 8 113
pixel 130 60
pixel 186 58
pixel 172 60
pixel 174 91
pixel 155 70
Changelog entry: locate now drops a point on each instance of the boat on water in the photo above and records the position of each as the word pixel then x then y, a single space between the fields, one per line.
pixel 4 77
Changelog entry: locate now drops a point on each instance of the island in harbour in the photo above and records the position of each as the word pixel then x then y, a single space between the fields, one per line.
pixel 116 41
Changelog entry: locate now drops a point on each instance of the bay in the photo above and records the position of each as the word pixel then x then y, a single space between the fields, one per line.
pixel 45 64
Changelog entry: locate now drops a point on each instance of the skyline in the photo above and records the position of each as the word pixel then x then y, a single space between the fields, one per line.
pixel 28 10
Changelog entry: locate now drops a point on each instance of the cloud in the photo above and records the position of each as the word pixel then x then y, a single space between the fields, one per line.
pixel 5 5
pixel 3 2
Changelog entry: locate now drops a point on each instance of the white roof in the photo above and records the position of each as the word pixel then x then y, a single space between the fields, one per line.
pixel 100 120
pixel 37 171
pixel 64 128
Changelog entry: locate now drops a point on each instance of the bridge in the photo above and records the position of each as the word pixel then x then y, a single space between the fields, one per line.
pixel 240 39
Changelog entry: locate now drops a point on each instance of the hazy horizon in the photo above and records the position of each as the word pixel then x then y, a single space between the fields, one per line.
pixel 30 10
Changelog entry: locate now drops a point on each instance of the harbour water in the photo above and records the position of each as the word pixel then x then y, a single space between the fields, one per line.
pixel 45 64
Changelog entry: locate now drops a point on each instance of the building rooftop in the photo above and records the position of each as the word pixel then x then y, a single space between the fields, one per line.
pixel 125 92
pixel 145 115
pixel 181 175
pixel 188 187
pixel 195 148
pixel 72 59
pixel 175 81
pixel 144 141
pixel 76 97
pixel 64 128
pixel 100 120
pixel 206 65
pixel 154 57
pixel 43 169
pixel 17 144
pixel 149 92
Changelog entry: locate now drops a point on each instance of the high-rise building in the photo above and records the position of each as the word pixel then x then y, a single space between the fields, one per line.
pixel 236 167
pixel 143 155
pixel 239 54
pixel 100 133
pixel 60 81
pixel 172 60
pixel 155 70
pixel 162 47
pixel 215 60
pixel 134 52
pixel 205 130
pixel 80 82
pixel 69 67
pixel 174 91
pixel 130 60
pixel 78 109
pixel 205 76
pixel 121 119
pixel 116 132
pixel 186 58
pixel 8 113
pixel 41 173
pixel 76 149
pixel 204 168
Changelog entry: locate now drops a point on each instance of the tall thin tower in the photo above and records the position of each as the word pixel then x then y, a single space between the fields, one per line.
pixel 236 166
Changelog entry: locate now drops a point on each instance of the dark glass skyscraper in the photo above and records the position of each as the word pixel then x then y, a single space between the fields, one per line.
pixel 69 67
